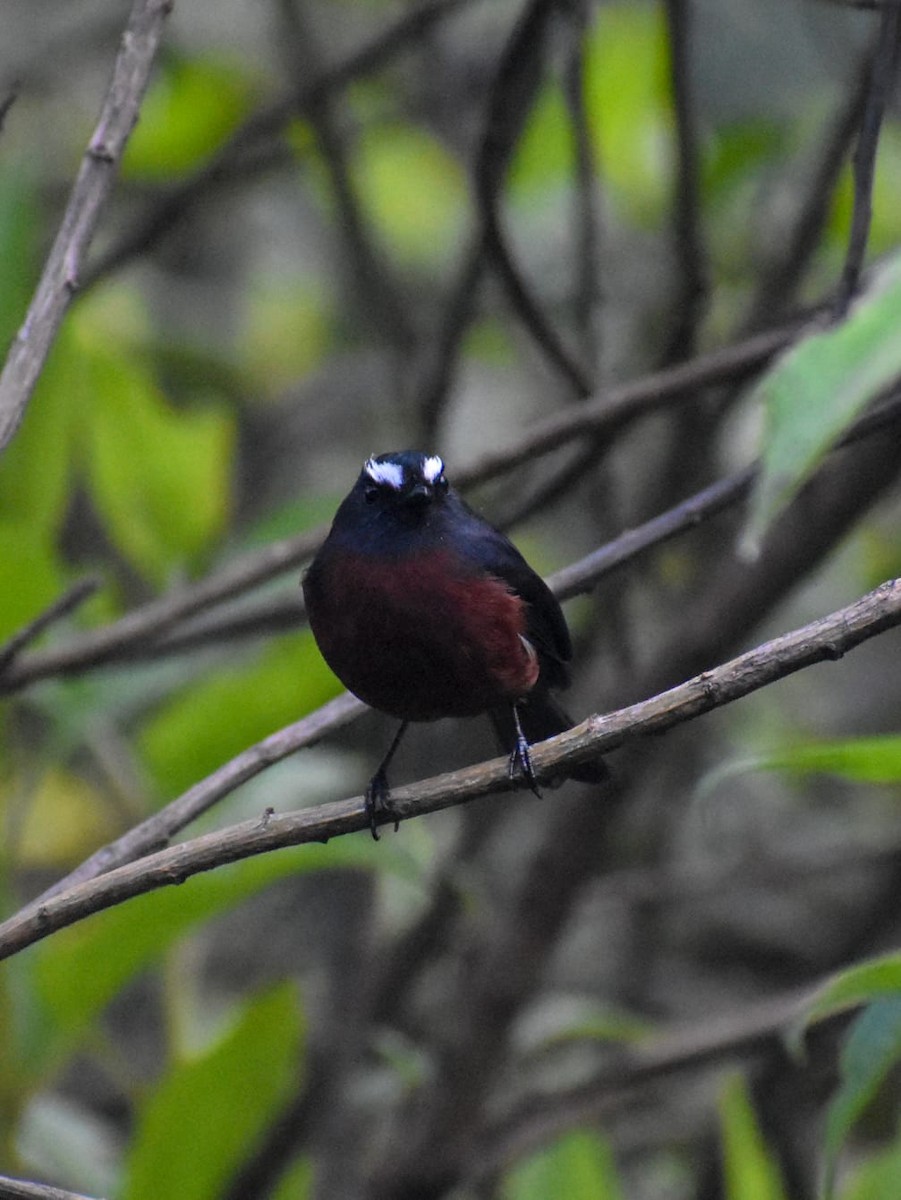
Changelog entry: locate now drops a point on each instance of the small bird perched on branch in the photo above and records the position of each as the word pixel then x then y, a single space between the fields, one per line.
pixel 424 610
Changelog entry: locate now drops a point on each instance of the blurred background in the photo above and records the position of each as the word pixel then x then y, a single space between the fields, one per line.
pixel 337 226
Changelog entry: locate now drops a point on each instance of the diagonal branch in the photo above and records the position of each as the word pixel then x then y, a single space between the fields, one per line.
pixel 826 639
pixel 62 272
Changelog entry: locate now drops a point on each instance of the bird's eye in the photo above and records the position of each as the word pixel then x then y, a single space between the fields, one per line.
pixel 371 495
pixel 441 484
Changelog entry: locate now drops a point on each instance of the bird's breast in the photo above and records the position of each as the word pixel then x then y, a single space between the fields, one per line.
pixel 420 639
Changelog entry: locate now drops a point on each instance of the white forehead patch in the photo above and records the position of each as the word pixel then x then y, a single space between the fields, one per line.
pixel 432 468
pixel 391 474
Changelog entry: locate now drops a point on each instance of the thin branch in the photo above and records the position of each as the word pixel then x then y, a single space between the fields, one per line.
pixel 826 639
pixel 780 278
pixel 509 103
pixel 690 250
pixel 61 277
pixel 750 1030
pixel 60 608
pixel 266 123
pixel 434 374
pixel 586 214
pixel 882 79
pixel 7 102
pixel 159 829
pixel 370 289
pixel 18 1189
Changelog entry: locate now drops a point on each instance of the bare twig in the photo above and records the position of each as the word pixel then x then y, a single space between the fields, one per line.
pixel 753 1028
pixel 263 125
pixel 824 640
pixel 61 277
pixel 586 215
pixel 780 278
pixel 691 256
pixel 885 61
pixel 370 289
pixel 65 604
pixel 18 1189
pixel 160 828
pixel 512 93
pixel 7 102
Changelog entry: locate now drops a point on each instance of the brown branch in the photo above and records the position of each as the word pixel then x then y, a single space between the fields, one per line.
pixel 18 1189
pixel 61 276
pixel 826 639
pixel 781 276
pixel 752 1029
pixel 159 829
pixel 885 62
pixel 690 302
pixel 510 100
pixel 61 607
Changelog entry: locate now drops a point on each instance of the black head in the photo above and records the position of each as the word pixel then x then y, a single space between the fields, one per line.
pixel 404 483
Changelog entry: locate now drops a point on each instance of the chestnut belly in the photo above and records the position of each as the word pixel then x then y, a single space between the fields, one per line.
pixel 420 644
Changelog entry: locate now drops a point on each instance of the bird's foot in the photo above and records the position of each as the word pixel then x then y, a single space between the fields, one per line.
pixel 375 799
pixel 521 764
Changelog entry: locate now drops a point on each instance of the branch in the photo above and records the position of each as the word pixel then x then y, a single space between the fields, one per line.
pixel 885 61
pixel 93 184
pixel 690 251
pixel 18 1189
pixel 512 94
pixel 61 607
pixel 752 1029
pixel 826 639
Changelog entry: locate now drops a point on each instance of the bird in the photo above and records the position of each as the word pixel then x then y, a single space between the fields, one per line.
pixel 425 610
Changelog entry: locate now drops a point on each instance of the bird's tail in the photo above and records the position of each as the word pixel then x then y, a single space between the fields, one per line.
pixel 541 716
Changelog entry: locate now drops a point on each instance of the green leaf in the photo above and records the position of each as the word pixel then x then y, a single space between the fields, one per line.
pixel 751 1172
pixel 871 980
pixel 872 1048
pixel 627 97
pixel 36 468
pixel 191 108
pixel 160 478
pixel 414 192
pixel 875 760
pixel 213 719
pixel 579 1167
pixel 545 153
pixel 207 1112
pixel 33 576
pixel 816 390
pixel 19 209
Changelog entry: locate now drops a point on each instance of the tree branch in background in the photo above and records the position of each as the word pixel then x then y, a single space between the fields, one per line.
pixel 18 1189
pixel 61 277
pixel 882 78
pixel 60 608
pixel 690 301
pixel 780 278
pixel 510 101
pixel 261 126
pixel 823 640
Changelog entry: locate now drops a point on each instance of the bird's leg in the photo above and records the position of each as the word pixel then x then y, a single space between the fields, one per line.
pixel 520 758
pixel 376 795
